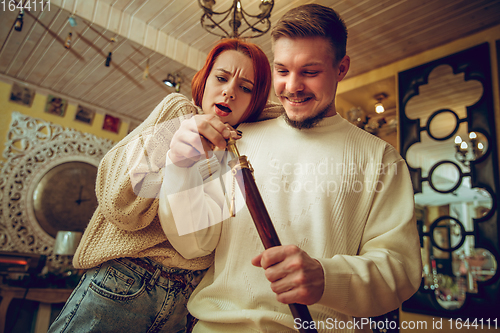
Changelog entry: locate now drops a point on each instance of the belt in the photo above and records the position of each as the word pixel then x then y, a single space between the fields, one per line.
pixel 177 277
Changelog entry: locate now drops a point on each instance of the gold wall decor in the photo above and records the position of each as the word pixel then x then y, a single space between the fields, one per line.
pixel 43 159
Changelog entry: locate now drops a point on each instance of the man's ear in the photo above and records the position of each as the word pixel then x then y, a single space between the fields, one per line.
pixel 344 67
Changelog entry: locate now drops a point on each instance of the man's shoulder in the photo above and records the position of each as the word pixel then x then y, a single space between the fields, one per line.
pixel 370 143
pixel 361 134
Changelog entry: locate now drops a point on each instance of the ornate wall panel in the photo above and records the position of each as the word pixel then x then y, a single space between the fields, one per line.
pixel 456 184
pixel 39 152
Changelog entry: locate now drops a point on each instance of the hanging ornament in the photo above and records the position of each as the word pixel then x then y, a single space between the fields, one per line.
pixel 67 44
pixel 72 21
pixel 108 58
pixel 145 76
pixel 18 25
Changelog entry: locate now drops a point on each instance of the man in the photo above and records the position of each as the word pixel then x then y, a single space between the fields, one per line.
pixel 340 199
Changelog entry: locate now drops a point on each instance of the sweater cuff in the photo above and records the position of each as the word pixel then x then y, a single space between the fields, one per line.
pixel 178 178
pixel 183 178
pixel 337 275
pixel 208 167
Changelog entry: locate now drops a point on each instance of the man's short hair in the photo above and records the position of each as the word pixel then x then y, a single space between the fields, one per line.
pixel 313 20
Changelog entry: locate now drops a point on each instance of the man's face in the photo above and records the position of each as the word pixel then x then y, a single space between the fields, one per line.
pixel 306 77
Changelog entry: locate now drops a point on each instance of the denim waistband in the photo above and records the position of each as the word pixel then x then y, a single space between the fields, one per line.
pixel 183 277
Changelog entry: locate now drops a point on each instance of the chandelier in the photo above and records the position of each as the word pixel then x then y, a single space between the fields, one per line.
pixel 252 25
pixel 462 153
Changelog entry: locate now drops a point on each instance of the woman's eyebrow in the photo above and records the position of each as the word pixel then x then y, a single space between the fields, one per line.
pixel 229 73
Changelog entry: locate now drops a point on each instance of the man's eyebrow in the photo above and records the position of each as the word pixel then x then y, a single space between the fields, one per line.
pixel 315 63
pixel 229 73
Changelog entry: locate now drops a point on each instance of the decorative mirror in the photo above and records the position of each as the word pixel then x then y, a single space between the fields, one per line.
pixel 47 183
pixel 449 142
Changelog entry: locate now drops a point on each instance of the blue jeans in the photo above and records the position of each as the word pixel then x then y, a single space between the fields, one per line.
pixel 121 296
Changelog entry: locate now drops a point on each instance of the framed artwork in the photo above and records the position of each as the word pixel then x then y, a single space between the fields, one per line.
pixel 22 95
pixel 111 123
pixel 56 105
pixel 84 114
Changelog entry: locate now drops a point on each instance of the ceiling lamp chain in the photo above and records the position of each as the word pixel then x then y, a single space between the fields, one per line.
pixel 237 16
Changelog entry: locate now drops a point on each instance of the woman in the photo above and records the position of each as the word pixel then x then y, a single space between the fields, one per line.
pixel 136 279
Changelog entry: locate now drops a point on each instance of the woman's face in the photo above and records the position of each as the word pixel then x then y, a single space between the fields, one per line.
pixel 229 87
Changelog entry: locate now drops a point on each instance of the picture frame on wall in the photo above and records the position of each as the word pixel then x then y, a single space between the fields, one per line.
pixel 22 95
pixel 56 105
pixel 111 123
pixel 84 114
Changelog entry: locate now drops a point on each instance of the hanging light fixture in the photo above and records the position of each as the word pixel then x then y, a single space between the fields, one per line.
pixel 173 81
pixel 169 81
pixel 462 149
pixel 379 107
pixel 18 24
pixel 254 25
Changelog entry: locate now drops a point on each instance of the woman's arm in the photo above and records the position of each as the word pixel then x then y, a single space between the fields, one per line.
pixel 192 201
pixel 192 205
pixel 129 175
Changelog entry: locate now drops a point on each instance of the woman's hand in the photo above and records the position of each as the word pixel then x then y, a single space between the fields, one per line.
pixel 198 136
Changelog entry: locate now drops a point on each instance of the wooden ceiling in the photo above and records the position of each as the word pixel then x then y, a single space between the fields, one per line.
pixel 168 33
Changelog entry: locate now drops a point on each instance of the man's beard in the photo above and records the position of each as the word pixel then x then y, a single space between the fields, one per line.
pixel 308 122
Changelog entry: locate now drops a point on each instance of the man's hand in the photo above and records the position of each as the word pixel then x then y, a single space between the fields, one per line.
pixel 295 277
pixel 196 136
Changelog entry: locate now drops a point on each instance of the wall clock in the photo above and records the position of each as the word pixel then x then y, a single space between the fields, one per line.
pixel 64 198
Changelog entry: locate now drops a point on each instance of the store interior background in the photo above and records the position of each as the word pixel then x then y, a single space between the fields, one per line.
pixel 385 39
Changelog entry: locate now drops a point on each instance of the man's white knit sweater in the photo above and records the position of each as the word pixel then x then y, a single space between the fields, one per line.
pixel 341 195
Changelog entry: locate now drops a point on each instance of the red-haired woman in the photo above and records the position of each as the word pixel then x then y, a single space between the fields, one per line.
pixel 136 280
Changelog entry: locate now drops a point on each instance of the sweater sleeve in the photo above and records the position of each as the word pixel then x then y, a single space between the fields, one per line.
pixel 387 269
pixel 192 205
pixel 129 175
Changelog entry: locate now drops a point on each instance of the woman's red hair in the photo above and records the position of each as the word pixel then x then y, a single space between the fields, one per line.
pixel 262 75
